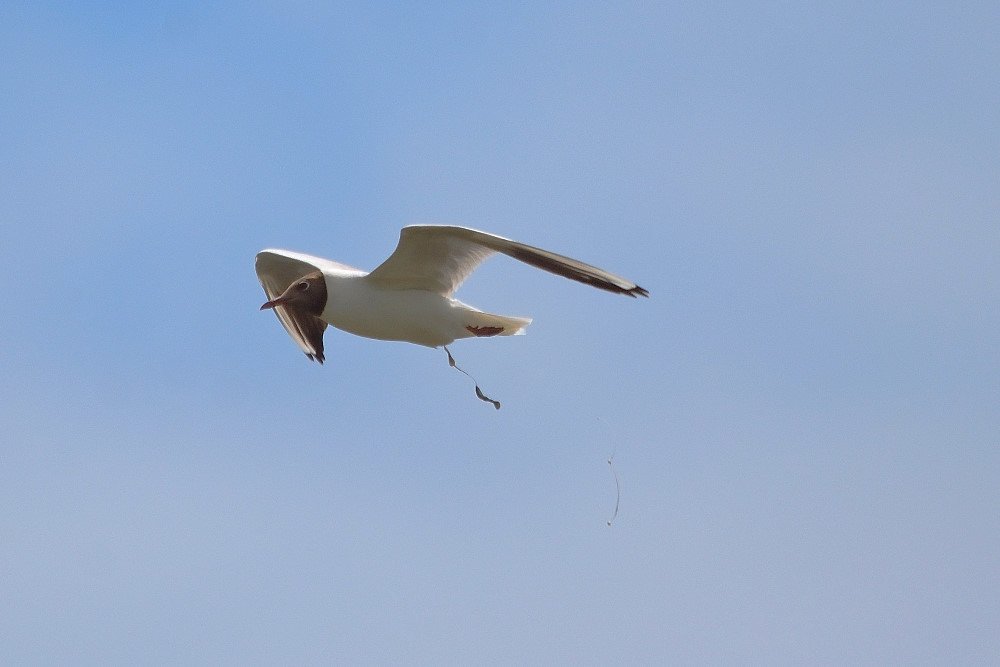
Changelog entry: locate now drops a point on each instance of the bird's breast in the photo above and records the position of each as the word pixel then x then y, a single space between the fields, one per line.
pixel 413 316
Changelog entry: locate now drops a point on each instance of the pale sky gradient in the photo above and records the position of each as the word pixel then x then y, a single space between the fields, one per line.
pixel 805 414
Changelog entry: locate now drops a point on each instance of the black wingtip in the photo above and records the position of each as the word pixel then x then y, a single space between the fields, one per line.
pixel 638 291
pixel 316 357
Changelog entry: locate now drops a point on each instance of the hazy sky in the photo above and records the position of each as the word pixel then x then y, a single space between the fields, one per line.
pixel 804 415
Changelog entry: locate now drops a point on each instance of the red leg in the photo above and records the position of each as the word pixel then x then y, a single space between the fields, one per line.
pixel 484 331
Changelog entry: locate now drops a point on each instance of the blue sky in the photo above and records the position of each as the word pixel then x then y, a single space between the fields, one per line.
pixel 804 414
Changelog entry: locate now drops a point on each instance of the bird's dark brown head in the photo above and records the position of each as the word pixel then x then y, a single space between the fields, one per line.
pixel 306 295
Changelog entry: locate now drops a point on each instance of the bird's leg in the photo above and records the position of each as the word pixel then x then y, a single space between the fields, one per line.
pixel 484 331
pixel 479 392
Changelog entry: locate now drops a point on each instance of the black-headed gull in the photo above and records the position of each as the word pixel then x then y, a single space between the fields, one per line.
pixel 409 296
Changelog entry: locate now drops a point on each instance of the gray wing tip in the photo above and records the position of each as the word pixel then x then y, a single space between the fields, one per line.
pixel 265 253
pixel 631 292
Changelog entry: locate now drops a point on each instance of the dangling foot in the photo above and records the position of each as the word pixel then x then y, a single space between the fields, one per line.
pixel 479 392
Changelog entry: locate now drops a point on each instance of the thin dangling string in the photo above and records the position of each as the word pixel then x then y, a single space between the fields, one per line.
pixel 479 392
pixel 611 464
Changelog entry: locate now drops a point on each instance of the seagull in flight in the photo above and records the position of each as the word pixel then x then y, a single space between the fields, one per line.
pixel 409 296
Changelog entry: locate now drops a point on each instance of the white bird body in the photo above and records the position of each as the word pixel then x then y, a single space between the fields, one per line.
pixel 360 306
pixel 409 296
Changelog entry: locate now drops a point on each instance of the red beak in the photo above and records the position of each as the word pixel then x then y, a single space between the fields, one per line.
pixel 273 303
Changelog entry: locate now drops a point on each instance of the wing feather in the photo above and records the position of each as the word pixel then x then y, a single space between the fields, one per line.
pixel 439 258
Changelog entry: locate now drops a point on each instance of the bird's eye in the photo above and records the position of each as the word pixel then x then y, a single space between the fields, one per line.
pixel 303 286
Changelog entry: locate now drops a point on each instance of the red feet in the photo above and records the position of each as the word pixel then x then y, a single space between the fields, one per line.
pixel 484 331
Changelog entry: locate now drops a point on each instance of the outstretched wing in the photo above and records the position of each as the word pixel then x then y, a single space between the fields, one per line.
pixel 276 270
pixel 439 258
